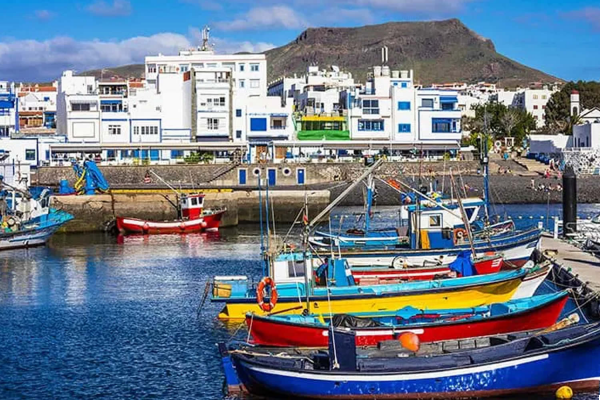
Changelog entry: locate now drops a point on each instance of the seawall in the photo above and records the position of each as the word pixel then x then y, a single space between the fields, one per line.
pixel 98 212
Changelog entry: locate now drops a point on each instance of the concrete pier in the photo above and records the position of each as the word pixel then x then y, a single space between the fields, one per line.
pixel 583 265
pixel 96 213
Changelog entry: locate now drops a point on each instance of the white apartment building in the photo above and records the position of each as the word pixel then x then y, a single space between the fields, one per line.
pixel 9 109
pixel 532 100
pixel 37 106
pixel 229 101
pixel 392 108
pixel 110 112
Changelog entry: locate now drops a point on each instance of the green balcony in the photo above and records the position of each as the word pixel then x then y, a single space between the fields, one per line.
pixel 323 135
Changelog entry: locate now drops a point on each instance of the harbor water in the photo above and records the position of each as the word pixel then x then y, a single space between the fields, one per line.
pixel 96 316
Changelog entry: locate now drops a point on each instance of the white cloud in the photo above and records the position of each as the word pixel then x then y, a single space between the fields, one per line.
pixel 44 15
pixel 275 17
pixel 118 8
pixel 206 5
pixel 591 15
pixel 33 60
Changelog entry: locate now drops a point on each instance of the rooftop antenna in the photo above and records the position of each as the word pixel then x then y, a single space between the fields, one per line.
pixel 205 38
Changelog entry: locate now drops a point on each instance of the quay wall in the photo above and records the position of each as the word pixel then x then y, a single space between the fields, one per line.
pixel 97 213
pixel 226 175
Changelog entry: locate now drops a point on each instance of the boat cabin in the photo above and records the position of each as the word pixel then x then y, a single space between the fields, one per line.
pixel 191 206
pixel 431 226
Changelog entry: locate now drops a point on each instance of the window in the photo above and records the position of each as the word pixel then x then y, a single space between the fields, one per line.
pixel 211 65
pixel 110 154
pixel 371 107
pixel 30 154
pixel 258 124
pixel 535 107
pixel 447 106
pixel 544 97
pixel 254 67
pixel 90 89
pixel 404 128
pixel 444 125
pixel 435 221
pixel 370 125
pixel 238 113
pixel 404 85
pixel 212 124
pixel 80 106
pixel 176 154
pixel 46 98
pixel 238 134
pixel 535 96
pixel 114 129
pixel 404 105
pixel 242 67
pixel 254 83
pixel 184 67
pixel 136 130
pixel 427 103
pixel 242 83
pixel 152 68
pixel 543 107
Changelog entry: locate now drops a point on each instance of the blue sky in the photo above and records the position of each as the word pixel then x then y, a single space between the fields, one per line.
pixel 43 37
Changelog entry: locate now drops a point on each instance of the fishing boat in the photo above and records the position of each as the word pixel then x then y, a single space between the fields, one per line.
pixel 493 366
pixel 191 217
pixel 28 220
pixel 340 295
pixel 521 315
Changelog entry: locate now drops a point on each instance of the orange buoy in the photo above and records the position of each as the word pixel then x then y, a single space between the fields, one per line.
pixel 410 341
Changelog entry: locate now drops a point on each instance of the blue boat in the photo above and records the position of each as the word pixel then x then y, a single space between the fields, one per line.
pixel 494 366
pixel 28 220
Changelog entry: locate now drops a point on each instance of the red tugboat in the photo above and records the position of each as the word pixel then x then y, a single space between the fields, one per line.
pixel 192 218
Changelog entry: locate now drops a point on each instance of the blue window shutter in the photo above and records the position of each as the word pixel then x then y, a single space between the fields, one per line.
pixel 238 134
pixel 238 113
pixel 404 85
pixel 258 124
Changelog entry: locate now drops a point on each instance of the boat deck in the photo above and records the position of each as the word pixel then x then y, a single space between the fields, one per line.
pixel 582 264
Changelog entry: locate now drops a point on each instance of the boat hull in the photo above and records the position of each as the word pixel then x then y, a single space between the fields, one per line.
pixel 36 233
pixel 208 222
pixel 281 333
pixel 575 366
pixel 487 265
pixel 440 298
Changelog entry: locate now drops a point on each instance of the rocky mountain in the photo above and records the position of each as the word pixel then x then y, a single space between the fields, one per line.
pixel 437 51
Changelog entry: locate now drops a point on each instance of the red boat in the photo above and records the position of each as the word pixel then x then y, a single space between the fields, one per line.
pixel 372 276
pixel 194 219
pixel 537 312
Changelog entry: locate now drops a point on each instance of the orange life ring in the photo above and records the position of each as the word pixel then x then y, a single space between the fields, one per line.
pixel 260 294
pixel 459 234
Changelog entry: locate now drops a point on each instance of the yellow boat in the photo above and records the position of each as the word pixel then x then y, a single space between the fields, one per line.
pixel 240 297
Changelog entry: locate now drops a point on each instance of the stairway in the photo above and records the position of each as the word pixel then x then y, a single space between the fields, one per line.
pixel 532 165
pixel 222 171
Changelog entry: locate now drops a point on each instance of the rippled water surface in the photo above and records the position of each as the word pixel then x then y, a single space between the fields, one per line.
pixel 94 316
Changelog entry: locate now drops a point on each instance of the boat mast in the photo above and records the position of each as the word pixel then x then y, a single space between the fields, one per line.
pixel 335 202
pixel 262 240
pixel 483 156
pixel 466 221
pixel 370 187
pixel 307 270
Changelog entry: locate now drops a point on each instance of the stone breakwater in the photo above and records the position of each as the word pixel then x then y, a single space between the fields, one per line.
pixel 503 189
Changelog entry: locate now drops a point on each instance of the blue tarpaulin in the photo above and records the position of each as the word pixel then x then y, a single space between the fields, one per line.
pixel 463 264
